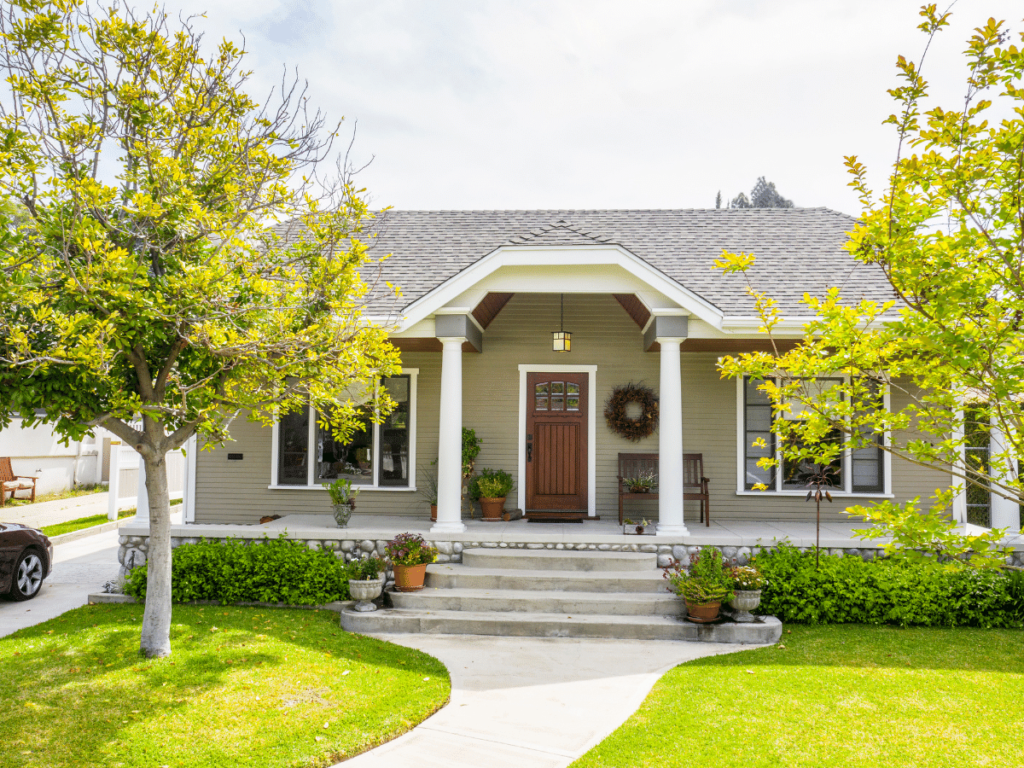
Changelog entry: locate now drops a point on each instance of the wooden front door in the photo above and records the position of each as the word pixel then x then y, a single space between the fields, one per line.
pixel 556 442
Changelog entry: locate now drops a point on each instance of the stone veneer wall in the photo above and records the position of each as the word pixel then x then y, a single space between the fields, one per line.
pixel 133 550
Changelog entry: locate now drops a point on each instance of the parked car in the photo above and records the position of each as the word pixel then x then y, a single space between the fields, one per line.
pixel 26 556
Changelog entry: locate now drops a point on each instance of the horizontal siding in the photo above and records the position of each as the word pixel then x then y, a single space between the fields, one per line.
pixel 603 335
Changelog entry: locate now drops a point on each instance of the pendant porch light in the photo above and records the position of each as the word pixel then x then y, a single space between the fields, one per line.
pixel 561 340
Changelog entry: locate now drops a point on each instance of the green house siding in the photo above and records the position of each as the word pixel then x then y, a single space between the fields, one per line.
pixel 603 335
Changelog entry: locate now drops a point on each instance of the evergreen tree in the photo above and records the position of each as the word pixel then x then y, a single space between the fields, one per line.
pixel 763 195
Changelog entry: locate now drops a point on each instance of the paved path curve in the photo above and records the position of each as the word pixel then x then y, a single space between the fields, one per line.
pixel 530 702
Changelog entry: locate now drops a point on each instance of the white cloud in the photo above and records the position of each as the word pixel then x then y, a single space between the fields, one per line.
pixel 596 104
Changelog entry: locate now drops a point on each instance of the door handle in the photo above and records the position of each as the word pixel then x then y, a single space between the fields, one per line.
pixel 529 451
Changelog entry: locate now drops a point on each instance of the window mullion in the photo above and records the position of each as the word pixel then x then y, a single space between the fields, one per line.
pixel 312 450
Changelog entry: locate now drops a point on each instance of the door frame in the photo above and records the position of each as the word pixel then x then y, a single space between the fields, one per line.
pixel 591 371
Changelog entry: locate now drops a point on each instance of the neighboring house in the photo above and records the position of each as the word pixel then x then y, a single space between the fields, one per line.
pixel 482 292
pixel 38 452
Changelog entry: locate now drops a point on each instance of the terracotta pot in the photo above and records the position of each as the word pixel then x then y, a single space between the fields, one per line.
pixel 409 578
pixel 703 614
pixel 433 513
pixel 492 508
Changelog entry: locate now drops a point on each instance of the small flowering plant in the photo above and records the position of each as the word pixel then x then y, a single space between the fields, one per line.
pixel 746 578
pixel 707 580
pixel 410 549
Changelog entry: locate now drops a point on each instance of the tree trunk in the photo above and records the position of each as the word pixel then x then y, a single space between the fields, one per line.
pixel 156 621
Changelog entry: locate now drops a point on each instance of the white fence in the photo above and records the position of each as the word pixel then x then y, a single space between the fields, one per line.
pixel 128 480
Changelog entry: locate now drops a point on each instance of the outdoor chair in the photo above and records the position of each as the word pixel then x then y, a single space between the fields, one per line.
pixel 695 484
pixel 11 483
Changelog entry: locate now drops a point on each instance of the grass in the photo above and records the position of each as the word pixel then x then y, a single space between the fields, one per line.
pixel 835 696
pixel 88 522
pixel 244 687
pixel 83 522
pixel 78 490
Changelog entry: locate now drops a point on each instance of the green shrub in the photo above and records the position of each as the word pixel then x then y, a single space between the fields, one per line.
pixel 263 571
pixel 849 590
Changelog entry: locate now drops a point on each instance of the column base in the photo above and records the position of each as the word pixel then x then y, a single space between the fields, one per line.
pixel 444 527
pixel 672 530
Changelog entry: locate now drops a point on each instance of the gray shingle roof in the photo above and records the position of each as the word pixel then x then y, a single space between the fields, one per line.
pixel 798 250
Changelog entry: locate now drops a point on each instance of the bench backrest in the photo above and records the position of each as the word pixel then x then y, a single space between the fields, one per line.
pixel 636 464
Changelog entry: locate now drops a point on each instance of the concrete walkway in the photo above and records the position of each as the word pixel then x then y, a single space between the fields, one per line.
pixel 537 702
pixel 79 567
pixel 53 512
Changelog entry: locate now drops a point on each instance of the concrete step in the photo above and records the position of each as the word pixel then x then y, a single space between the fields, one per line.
pixel 559 560
pixel 532 601
pixel 558 625
pixel 455 575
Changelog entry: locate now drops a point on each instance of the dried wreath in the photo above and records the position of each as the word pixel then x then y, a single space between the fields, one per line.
pixel 619 421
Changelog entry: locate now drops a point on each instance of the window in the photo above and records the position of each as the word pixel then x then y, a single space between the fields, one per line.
pixel 375 455
pixel 556 396
pixel 860 471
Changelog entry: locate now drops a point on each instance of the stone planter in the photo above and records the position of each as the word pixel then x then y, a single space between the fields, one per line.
pixel 745 601
pixel 409 578
pixel 365 591
pixel 342 514
pixel 491 509
pixel 704 613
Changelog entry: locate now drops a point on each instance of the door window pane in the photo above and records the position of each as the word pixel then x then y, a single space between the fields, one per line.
pixel 293 448
pixel 540 397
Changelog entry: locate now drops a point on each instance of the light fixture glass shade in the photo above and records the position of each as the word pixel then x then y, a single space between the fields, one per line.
pixel 561 341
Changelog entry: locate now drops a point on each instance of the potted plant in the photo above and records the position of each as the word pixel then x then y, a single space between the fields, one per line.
pixel 704 587
pixel 747 582
pixel 490 488
pixel 366 582
pixel 642 483
pixel 637 528
pixel 343 498
pixel 410 555
pixel 429 490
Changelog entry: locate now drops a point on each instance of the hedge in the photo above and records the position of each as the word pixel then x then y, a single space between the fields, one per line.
pixel 849 590
pixel 266 571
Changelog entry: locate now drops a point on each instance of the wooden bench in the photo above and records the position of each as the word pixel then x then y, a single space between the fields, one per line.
pixel 12 483
pixel 695 484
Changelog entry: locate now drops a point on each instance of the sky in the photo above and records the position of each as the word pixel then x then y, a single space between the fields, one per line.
pixel 513 104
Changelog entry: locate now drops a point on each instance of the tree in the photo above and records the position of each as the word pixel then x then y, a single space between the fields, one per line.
pixel 763 195
pixel 948 235
pixel 144 287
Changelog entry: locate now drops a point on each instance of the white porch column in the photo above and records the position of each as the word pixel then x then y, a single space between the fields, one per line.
pixel 1005 512
pixel 449 444
pixel 670 442
pixel 113 479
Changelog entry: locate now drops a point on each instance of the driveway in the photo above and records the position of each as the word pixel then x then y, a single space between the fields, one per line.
pixel 80 567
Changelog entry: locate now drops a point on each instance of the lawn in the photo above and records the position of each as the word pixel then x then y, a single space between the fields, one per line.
pixel 835 696
pixel 244 687
pixel 83 522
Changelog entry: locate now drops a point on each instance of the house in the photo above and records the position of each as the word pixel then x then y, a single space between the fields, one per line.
pixel 483 293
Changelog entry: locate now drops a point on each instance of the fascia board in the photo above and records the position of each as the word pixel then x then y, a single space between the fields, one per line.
pixel 518 256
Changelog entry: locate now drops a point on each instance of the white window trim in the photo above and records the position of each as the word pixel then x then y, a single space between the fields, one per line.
pixel 312 485
pixel 741 450
pixel 591 371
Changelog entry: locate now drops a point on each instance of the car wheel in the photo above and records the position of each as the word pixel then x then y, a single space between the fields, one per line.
pixel 28 576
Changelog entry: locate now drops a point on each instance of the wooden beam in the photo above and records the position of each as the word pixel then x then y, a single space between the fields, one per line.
pixel 634 308
pixel 424 345
pixel 490 306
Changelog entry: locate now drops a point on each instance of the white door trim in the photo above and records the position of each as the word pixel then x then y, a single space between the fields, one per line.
pixel 591 370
